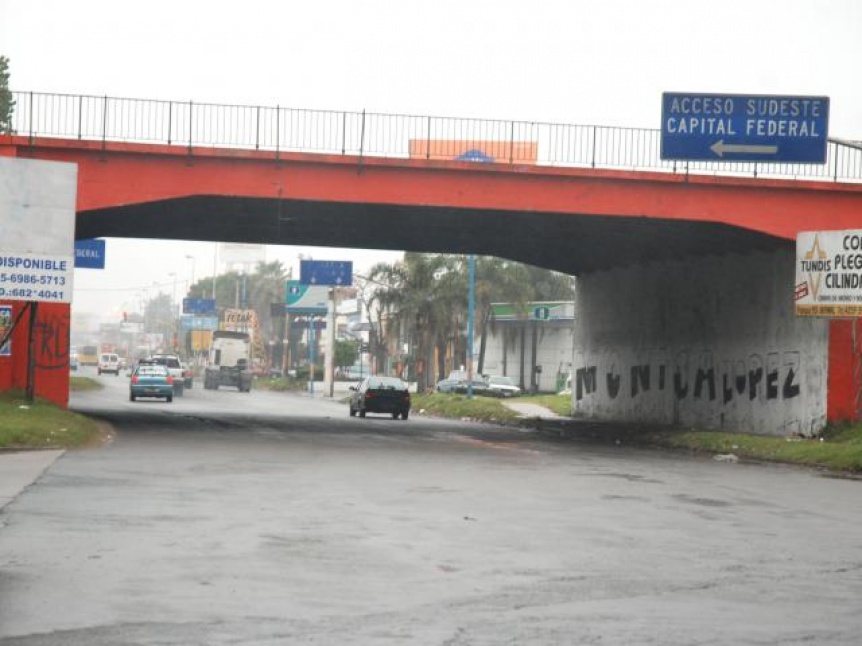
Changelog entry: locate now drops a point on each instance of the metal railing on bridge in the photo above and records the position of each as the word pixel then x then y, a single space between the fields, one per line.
pixel 281 129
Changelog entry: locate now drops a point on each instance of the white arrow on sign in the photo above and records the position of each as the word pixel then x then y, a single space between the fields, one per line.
pixel 719 148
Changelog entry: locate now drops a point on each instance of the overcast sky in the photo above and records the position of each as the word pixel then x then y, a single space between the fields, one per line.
pixel 603 62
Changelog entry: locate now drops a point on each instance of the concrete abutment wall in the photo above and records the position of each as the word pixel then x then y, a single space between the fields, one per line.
pixel 711 343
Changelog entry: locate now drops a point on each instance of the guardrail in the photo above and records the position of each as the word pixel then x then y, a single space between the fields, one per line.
pixel 282 129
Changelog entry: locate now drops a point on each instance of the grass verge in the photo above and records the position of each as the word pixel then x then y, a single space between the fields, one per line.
pixel 839 450
pixel 79 384
pixel 280 384
pixel 454 406
pixel 43 425
pixel 560 404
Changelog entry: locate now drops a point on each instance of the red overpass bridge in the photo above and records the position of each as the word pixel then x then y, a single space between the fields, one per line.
pixel 572 198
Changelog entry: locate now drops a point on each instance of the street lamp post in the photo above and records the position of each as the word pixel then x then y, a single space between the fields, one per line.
pixel 215 269
pixel 191 284
pixel 470 315
pixel 175 312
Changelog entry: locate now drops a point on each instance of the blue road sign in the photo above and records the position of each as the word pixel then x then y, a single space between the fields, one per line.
pixel 191 322
pixel 744 128
pixel 90 254
pixel 199 306
pixel 326 272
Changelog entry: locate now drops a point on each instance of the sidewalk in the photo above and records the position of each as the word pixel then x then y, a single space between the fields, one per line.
pixel 20 469
pixel 531 410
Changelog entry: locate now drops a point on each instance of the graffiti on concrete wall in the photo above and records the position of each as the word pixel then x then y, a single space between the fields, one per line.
pixel 52 340
pixel 760 377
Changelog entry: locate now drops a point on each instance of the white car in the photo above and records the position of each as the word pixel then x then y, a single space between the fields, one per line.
pixel 501 386
pixel 108 362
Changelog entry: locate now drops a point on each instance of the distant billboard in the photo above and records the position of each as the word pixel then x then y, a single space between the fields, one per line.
pixel 302 299
pixel 241 256
pixel 829 273
pixel 488 151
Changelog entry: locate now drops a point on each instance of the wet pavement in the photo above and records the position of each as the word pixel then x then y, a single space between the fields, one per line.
pixel 290 522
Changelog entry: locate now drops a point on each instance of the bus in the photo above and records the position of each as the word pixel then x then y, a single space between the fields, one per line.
pixel 88 355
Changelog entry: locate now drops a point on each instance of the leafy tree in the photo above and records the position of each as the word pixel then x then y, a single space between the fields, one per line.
pixel 160 317
pixel 265 287
pixel 346 352
pixel 7 103
pixel 499 281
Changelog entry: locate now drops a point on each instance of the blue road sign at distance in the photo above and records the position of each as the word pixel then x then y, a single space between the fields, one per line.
pixel 199 305
pixel 90 254
pixel 744 128
pixel 337 273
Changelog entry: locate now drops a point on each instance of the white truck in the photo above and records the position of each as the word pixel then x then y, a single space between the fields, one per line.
pixel 229 361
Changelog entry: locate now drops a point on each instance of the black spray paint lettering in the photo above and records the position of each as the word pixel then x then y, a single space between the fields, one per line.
pixel 585 379
pixel 758 378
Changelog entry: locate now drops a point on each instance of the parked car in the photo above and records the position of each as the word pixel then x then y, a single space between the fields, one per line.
pixel 356 373
pixel 379 394
pixel 108 362
pixel 151 380
pixel 479 387
pixel 175 368
pixel 502 386
pixel 447 385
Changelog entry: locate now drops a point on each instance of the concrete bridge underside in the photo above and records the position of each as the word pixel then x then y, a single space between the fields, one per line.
pixel 570 243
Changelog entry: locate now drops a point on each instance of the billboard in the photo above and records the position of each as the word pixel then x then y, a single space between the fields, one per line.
pixel 488 151
pixel 37 218
pixel 828 273
pixel 302 299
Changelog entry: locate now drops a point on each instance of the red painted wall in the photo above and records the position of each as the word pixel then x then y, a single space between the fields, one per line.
pixel 845 371
pixel 52 352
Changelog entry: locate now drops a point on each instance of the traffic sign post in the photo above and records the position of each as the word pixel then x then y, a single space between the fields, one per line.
pixel 744 128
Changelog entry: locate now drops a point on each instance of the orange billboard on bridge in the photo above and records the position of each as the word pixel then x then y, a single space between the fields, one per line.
pixel 488 151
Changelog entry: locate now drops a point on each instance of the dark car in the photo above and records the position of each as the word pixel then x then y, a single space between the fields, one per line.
pixel 378 394
pixel 151 380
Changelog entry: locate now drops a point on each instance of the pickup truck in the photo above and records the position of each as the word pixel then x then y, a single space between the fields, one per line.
pixel 175 369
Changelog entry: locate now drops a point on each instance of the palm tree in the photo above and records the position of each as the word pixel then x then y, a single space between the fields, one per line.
pixel 265 287
pixel 498 281
pixel 419 299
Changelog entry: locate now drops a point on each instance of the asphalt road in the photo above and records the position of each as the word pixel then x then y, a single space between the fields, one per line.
pixel 264 518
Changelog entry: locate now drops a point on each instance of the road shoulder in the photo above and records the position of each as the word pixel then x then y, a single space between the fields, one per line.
pixel 20 469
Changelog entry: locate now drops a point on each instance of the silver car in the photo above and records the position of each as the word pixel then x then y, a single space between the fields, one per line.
pixel 502 386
